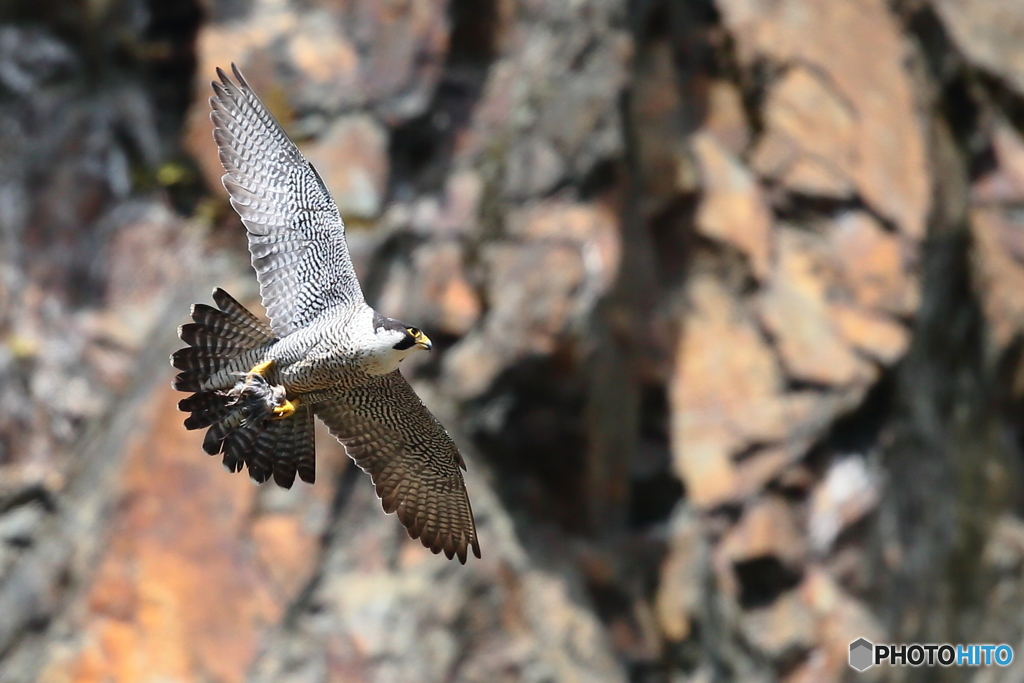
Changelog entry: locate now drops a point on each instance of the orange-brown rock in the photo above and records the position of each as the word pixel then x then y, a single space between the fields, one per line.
pixel 531 303
pixel 732 209
pixel 433 290
pixel 564 257
pixel 875 266
pixel 726 119
pixel 758 469
pixel 161 620
pixel 840 619
pixel 195 574
pixel 728 394
pixel 593 227
pixel 810 140
pixel 795 311
pixel 853 46
pixel 875 335
pixel 458 213
pixel 333 64
pixel 723 365
pixel 768 528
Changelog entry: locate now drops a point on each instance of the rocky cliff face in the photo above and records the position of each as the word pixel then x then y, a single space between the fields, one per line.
pixel 726 305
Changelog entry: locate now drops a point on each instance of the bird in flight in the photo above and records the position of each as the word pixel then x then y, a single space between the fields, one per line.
pixel 325 352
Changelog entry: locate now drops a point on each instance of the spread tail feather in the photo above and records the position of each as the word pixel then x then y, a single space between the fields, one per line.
pixel 267 446
pixel 240 419
pixel 216 337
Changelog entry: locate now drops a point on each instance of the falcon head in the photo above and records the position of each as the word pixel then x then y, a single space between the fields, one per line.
pixel 412 338
pixel 398 338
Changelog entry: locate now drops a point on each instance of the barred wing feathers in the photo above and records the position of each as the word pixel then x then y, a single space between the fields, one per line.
pixel 296 235
pixel 415 465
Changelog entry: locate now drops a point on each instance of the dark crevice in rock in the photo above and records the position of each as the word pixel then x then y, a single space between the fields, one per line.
pixel 794 384
pixel 674 241
pixel 36 493
pixel 421 148
pixel 395 252
pixel 473 35
pixel 937 513
pixel 600 180
pixel 68 21
pixel 801 210
pixel 654 487
pixel 698 57
pixel 168 65
pixel 538 450
pixel 1009 403
pixel 1008 101
pixel 618 480
pixel 965 96
pixel 942 437
pixel 87 118
pixel 860 430
pixel 763 579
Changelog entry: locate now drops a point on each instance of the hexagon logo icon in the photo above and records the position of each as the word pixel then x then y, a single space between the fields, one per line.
pixel 861 654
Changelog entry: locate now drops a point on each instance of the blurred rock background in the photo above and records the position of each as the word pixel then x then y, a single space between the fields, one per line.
pixel 727 299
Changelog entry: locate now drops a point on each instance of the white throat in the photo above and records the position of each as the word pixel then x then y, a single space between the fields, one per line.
pixel 381 356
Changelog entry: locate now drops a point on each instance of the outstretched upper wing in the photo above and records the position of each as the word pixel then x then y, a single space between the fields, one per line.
pixel 414 464
pixel 296 235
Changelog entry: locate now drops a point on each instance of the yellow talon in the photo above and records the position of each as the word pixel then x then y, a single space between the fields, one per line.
pixel 286 409
pixel 261 368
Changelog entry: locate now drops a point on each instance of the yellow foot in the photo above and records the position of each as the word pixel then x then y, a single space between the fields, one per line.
pixel 261 368
pixel 286 409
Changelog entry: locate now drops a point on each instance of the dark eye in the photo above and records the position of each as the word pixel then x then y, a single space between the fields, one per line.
pixel 413 331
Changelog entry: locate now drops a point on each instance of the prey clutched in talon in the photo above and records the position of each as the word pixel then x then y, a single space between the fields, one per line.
pixel 282 407
pixel 259 397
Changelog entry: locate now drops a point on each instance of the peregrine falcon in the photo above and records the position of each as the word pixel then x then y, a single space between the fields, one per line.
pixel 325 352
